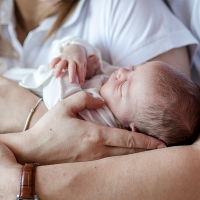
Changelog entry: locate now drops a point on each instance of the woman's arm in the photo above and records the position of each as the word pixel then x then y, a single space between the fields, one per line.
pixel 16 102
pixel 170 173
pixel 15 105
pixel 10 172
pixel 177 57
pixel 60 137
pixel 149 30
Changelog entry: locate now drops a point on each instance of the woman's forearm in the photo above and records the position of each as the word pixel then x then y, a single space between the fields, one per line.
pixel 59 137
pixel 10 182
pixel 15 105
pixel 171 173
pixel 10 172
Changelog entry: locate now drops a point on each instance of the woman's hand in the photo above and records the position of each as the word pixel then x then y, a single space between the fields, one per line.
pixel 10 174
pixel 60 137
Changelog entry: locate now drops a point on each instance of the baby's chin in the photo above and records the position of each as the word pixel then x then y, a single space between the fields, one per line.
pixel 104 93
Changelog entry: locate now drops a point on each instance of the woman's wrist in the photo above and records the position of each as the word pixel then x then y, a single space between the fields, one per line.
pixel 16 180
pixel 10 182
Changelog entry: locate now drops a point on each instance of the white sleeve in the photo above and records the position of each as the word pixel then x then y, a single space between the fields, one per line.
pixel 43 83
pixel 138 30
pixel 58 45
pixel 188 13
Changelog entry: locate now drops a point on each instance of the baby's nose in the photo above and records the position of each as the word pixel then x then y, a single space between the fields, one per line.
pixel 122 73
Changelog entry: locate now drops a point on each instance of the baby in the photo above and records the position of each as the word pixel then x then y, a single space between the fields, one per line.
pixel 153 98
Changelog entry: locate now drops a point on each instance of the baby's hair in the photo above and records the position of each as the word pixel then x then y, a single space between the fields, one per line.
pixel 173 115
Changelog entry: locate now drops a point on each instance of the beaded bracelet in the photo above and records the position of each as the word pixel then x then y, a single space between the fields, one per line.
pixel 31 113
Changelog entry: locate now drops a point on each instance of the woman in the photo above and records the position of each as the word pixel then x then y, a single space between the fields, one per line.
pixel 107 31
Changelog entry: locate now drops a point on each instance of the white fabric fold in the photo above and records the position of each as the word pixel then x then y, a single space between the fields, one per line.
pixel 43 83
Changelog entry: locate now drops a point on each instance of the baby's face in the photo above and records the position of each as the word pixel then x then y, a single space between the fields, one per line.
pixel 126 88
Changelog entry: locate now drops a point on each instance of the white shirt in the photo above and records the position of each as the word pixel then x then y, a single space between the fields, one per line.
pixel 188 11
pixel 127 32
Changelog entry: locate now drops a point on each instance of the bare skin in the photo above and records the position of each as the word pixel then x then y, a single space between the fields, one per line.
pixel 80 140
pixel 32 15
pixel 101 181
pixel 15 113
pixel 84 181
pixel 22 138
pixel 123 177
pixel 138 173
pixel 36 11
pixel 176 57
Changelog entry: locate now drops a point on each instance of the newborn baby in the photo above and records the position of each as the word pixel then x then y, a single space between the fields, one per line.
pixel 153 98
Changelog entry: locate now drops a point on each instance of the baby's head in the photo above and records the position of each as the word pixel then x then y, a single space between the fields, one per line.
pixel 155 99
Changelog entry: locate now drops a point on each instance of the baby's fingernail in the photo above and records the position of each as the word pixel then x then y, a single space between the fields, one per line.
pixel 102 101
pixel 81 82
pixel 56 75
pixel 91 56
pixel 71 80
pixel 160 146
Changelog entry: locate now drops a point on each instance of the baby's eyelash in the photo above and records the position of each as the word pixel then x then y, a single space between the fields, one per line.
pixel 121 87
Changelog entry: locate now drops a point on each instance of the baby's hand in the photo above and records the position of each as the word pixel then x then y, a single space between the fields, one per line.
pixel 73 57
pixel 93 65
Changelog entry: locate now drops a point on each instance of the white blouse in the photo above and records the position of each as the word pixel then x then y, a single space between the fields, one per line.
pixel 127 32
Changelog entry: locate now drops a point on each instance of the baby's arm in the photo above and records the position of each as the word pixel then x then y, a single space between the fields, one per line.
pixel 76 55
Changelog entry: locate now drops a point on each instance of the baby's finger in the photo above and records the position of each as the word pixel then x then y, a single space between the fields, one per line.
pixel 85 66
pixel 81 72
pixel 93 59
pixel 97 66
pixel 54 62
pixel 72 71
pixel 59 67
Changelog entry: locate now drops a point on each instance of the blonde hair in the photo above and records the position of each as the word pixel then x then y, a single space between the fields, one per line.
pixel 63 9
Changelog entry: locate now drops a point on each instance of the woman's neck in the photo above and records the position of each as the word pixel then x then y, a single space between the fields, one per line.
pixel 32 12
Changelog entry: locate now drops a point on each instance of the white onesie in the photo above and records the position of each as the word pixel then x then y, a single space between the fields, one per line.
pixel 42 82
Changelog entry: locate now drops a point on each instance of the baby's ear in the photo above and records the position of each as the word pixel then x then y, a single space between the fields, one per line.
pixel 133 128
